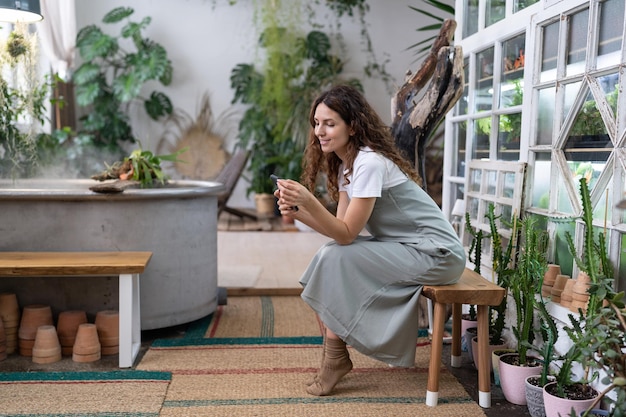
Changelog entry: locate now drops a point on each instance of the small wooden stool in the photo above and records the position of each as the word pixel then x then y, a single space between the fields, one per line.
pixel 472 289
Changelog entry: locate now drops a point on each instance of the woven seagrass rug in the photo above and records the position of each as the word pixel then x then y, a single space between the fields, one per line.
pixel 127 393
pixel 253 356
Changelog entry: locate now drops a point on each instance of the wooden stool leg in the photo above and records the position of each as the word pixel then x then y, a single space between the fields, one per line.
pixel 484 377
pixel 456 359
pixel 432 392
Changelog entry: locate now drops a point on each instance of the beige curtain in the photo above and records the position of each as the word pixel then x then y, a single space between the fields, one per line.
pixel 57 33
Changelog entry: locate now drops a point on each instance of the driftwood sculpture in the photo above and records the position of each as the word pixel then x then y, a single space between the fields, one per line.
pixel 416 118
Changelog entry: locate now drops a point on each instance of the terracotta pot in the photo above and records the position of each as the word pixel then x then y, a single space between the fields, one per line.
pixel 9 308
pixel 47 348
pixel 108 325
pixel 67 327
pixel 495 362
pixel 557 406
pixel 87 346
pixel 491 349
pixel 33 316
pixel 513 377
pixel 265 205
pixel 534 397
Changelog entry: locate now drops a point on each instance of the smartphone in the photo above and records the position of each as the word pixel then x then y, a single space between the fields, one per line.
pixel 274 179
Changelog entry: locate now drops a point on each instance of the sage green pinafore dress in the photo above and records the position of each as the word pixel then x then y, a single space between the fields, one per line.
pixel 367 292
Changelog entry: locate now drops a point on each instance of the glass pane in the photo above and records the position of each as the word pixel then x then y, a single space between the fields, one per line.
pixel 462 105
pixel 470 13
pixel 482 130
pixel 549 51
pixel 460 130
pixel 475 179
pixel 577 42
pixel 492 182
pixel 609 84
pixel 611 22
pixel 495 11
pixel 562 255
pixel 509 129
pixel 472 208
pixel 588 139
pixel 511 90
pixel 508 188
pixel 622 211
pixel 571 91
pixel 540 183
pixel 522 4
pixel 545 116
pixel 483 98
pixel 563 201
pixel 590 170
pixel 603 211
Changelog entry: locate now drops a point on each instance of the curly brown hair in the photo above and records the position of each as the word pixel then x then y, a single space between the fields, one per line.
pixel 369 130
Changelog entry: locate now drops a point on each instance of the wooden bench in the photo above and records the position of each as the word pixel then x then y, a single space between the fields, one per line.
pixel 471 288
pixel 126 265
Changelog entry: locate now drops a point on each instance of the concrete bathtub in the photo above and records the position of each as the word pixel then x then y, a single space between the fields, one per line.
pixel 178 223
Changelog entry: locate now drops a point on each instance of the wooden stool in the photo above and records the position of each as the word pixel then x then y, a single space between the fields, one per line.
pixel 472 289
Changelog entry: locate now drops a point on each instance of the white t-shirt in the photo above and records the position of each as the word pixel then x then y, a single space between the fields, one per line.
pixel 371 174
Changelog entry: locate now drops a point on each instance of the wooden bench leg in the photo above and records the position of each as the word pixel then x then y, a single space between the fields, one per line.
pixel 432 391
pixel 456 358
pixel 130 319
pixel 484 377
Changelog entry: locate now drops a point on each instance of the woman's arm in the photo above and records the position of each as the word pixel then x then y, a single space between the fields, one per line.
pixel 352 215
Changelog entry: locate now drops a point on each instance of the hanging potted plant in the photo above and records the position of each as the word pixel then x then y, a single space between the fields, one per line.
pixel 525 284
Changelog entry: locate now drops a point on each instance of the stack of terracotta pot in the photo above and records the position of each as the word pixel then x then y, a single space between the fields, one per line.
pixel 558 287
pixel 67 327
pixel 107 323
pixel 47 348
pixel 10 317
pixel 33 316
pixel 86 346
pixel 580 295
pixel 549 278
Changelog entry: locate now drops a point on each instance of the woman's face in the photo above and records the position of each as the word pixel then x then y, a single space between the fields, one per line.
pixel 331 130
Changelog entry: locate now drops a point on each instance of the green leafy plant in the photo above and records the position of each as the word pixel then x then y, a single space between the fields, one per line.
pixel 503 268
pixel 474 253
pixel 526 282
pixel 111 78
pixel 447 12
pixel 278 94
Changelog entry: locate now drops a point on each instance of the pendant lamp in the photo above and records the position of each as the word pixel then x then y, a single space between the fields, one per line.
pixel 24 11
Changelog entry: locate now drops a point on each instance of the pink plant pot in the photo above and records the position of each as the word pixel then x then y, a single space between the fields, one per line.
pixel 556 406
pixel 513 379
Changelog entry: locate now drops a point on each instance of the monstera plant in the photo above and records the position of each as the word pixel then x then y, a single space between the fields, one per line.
pixel 112 76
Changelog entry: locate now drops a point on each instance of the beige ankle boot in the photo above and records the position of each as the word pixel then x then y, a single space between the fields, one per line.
pixel 336 365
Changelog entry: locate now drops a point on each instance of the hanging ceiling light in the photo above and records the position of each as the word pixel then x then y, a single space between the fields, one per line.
pixel 25 11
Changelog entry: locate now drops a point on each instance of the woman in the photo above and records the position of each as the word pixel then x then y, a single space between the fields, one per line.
pixel 365 289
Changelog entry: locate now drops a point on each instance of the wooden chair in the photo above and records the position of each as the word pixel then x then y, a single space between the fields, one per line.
pixel 229 176
pixel 471 288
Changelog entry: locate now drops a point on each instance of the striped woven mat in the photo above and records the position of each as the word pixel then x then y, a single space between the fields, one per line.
pixel 253 356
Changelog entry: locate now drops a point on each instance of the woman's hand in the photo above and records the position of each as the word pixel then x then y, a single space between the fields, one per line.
pixel 291 195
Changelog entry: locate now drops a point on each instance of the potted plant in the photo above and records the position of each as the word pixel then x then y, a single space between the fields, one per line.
pixel 278 94
pixel 525 284
pixel 112 77
pixel 474 255
pixel 591 335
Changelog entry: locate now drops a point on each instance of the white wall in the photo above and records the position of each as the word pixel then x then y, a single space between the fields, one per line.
pixel 205 39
